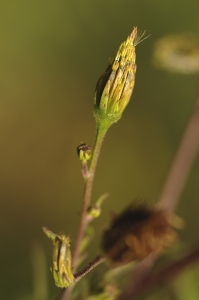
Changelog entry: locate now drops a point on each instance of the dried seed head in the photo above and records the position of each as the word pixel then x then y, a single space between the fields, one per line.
pixel 137 232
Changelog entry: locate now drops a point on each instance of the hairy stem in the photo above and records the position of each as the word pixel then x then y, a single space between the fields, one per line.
pixel 94 263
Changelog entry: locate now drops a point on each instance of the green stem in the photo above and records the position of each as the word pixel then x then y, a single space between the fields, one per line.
pixel 100 133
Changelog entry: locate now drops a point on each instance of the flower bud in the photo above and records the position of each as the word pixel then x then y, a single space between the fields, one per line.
pixel 115 86
pixel 94 211
pixel 137 232
pixel 84 152
pixel 61 265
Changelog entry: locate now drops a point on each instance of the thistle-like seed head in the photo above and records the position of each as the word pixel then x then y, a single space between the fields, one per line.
pixel 115 86
pixel 137 232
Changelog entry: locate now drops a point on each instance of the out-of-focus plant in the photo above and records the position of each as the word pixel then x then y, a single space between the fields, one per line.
pixel 177 53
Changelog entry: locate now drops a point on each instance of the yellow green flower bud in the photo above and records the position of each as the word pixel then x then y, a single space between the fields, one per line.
pixel 115 86
pixel 61 267
pixel 94 211
pixel 84 152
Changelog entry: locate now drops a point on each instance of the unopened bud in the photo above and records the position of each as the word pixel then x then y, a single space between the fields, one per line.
pixel 94 211
pixel 115 86
pixel 61 266
pixel 84 152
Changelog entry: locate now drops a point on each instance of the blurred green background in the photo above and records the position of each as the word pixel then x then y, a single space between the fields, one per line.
pixel 51 56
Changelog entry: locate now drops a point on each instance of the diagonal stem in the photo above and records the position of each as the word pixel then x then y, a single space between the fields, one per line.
pixel 182 162
pixel 101 131
pixel 161 276
pixel 94 263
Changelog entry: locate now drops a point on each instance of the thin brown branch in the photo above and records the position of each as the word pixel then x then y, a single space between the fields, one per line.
pixel 162 276
pixel 94 263
pixel 182 162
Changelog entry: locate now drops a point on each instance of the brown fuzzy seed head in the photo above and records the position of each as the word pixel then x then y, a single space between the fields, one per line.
pixel 137 232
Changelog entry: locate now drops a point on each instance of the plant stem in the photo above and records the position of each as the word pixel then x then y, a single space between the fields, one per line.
pixel 94 263
pixel 182 162
pixel 100 133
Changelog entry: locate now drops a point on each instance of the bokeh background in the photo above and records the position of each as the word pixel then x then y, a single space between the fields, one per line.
pixel 51 56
